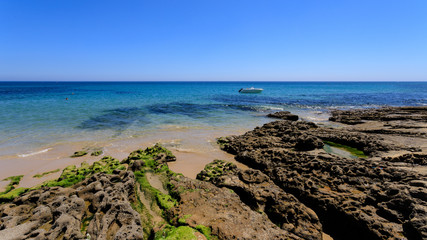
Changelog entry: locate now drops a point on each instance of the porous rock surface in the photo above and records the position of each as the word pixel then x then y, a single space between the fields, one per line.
pixel 132 204
pixel 407 114
pixel 102 202
pixel 223 211
pixel 284 115
pixel 261 194
pixel 354 198
pixel 293 189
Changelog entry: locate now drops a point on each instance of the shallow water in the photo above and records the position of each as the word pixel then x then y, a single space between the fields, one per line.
pixel 36 115
pixel 339 152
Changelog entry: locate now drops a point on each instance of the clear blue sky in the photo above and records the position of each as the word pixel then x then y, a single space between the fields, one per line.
pixel 213 40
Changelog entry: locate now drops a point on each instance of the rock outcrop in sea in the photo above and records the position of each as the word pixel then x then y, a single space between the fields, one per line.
pixel 295 187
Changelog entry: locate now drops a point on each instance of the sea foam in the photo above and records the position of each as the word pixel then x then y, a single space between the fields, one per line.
pixel 34 153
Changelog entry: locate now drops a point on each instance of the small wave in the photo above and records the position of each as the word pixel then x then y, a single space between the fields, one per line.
pixel 186 150
pixel 315 119
pixel 34 153
pixel 271 108
pixel 172 127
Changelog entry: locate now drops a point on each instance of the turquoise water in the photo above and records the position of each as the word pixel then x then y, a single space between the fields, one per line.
pixel 36 114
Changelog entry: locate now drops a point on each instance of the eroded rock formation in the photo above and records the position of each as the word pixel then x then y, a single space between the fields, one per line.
pixel 292 189
pixel 372 198
pixel 99 206
pixel 257 191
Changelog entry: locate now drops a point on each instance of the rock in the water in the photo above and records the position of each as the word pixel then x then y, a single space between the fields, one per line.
pixel 353 198
pixel 284 115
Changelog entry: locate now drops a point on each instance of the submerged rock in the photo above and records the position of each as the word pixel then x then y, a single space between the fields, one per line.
pixel 284 115
pixel 382 114
pixel 79 154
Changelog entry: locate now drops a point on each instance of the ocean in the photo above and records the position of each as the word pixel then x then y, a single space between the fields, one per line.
pixel 35 116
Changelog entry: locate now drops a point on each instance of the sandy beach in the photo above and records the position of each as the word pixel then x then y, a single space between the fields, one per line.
pixel 194 148
pixel 213 120
pixel 340 179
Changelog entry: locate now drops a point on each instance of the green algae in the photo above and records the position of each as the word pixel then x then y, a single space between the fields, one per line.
pixel 176 233
pixel 12 194
pixel 78 154
pixel 183 233
pixel 97 153
pixel 150 158
pixel 158 149
pixel 215 169
pixel 14 180
pixel 150 153
pixel 11 191
pixel 183 220
pixel 222 142
pixel 69 176
pixel 85 223
pixel 154 161
pixel 207 231
pixel 168 201
pixel 46 173
pixel 72 175
pixel 164 201
pixel 146 217
pixel 352 151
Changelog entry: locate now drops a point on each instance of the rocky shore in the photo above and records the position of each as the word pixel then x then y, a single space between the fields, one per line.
pixel 296 187
pixel 380 196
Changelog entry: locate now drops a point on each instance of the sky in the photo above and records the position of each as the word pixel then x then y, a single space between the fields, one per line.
pixel 213 40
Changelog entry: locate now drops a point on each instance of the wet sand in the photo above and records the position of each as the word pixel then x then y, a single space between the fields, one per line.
pixel 194 148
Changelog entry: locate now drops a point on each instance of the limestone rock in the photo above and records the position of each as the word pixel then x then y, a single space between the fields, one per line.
pixel 102 200
pixel 223 211
pixel 284 115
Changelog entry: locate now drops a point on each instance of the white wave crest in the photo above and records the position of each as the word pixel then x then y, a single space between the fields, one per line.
pixel 34 153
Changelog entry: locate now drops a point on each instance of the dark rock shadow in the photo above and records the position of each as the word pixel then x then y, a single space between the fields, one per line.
pixel 118 119
pixel 196 110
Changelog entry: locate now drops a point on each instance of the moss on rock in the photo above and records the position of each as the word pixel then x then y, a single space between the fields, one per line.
pixel 72 175
pixel 46 173
pixel 78 154
pixel 222 142
pixel 215 169
pixel 14 181
pixel 97 153
pixel 8 196
pixel 353 151
pixel 183 220
pixel 176 233
pixel 207 231
pixel 164 201
pixel 11 191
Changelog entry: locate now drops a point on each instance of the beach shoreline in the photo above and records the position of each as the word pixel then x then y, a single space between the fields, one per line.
pixel 194 148
pixel 279 176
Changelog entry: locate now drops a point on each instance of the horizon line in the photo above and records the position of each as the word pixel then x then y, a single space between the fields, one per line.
pixel 223 81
